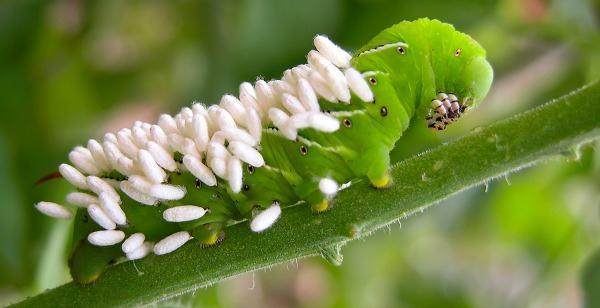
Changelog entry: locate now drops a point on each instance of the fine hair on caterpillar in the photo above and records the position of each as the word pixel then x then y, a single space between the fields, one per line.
pixel 154 187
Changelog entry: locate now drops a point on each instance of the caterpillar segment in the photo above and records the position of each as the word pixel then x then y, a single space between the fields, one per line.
pixel 156 187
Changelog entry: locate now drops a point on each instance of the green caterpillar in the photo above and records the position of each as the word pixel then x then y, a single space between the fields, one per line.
pixel 152 188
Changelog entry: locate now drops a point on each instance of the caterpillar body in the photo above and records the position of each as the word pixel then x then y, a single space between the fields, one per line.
pixel 154 187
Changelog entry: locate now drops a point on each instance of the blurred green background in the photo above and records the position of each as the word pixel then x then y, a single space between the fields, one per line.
pixel 71 70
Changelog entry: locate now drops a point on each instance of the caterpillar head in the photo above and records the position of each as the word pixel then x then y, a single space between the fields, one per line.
pixel 462 80
pixel 437 71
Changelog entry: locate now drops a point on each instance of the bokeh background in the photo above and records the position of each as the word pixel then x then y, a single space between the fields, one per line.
pixel 73 69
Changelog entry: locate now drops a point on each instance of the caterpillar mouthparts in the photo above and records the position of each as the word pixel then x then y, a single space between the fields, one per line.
pixel 445 109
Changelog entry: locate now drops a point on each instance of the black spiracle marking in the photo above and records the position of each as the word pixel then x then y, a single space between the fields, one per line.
pixel 383 111
pixel 303 150
pixel 347 122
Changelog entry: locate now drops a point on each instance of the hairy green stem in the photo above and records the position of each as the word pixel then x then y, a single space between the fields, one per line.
pixel 557 127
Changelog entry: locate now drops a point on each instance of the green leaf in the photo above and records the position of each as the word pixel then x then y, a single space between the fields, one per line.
pixel 484 154
pixel 12 221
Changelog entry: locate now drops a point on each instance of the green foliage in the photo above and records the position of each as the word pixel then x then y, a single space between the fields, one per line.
pixel 591 281
pixel 495 150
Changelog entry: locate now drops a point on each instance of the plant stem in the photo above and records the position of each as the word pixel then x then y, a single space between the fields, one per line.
pixel 557 127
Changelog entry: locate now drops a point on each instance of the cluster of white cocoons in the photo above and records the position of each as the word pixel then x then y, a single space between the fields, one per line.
pixel 215 141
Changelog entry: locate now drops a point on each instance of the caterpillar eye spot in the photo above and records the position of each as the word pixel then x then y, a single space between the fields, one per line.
pixel 347 123
pixel 457 52
pixel 246 187
pixel 373 81
pixel 401 50
pixel 383 111
pixel 250 169
pixel 303 150
pixel 197 183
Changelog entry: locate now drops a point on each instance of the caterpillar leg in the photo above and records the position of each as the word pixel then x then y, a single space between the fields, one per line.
pixel 318 202
pixel 383 181
pixel 209 234
pixel 321 199
pixel 378 171
pixel 321 206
